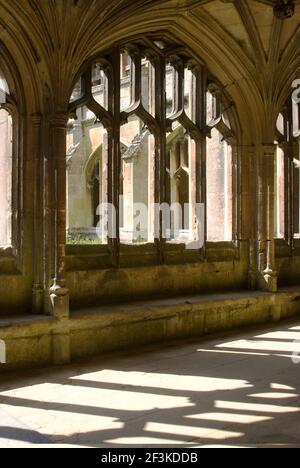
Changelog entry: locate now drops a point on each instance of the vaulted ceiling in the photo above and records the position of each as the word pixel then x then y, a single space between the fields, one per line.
pixel 252 24
pixel 252 53
pixel 57 23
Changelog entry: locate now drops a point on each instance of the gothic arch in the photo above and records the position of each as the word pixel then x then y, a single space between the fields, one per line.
pixel 231 74
pixel 89 168
pixel 91 27
pixel 15 97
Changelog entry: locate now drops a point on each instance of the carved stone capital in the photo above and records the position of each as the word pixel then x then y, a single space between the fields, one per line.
pixel 59 121
pixel 36 119
pixel 268 149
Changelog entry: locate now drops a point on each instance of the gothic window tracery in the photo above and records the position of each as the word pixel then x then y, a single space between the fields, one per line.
pixel 162 103
pixel 287 174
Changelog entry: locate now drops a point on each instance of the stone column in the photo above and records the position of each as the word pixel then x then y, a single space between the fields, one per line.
pixel 59 294
pixel 266 241
pixel 38 283
pixel 251 184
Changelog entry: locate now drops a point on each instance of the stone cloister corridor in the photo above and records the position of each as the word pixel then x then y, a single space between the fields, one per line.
pixel 149 223
pixel 240 390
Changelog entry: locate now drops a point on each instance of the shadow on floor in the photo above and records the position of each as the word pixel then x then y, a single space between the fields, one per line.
pixel 234 391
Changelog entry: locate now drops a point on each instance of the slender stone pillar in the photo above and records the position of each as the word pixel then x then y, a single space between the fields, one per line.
pixel 59 294
pixel 38 283
pixel 252 194
pixel 266 241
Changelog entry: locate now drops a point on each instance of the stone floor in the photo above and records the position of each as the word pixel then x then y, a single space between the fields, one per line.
pixel 235 391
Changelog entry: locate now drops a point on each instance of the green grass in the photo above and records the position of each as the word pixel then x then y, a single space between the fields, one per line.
pixel 81 240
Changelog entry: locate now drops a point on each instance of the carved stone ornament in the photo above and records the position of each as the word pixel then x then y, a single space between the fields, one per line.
pixel 284 9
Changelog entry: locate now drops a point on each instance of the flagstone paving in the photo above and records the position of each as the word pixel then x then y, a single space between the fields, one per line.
pixel 235 391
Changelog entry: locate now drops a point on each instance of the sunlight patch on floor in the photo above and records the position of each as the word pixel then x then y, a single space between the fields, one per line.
pixel 274 395
pixel 190 431
pixel 238 418
pixel 224 392
pixel 165 381
pixel 255 407
pixel 262 345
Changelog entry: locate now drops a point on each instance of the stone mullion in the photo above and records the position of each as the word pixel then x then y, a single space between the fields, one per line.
pixel 289 177
pixel 137 77
pixel 161 173
pixel 114 161
pixel 288 194
pixel 199 112
pixel 294 193
pixel 179 92
pixel 109 198
pixel 237 194
pixel 289 154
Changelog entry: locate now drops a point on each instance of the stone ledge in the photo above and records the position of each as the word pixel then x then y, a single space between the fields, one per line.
pixel 161 306
pixel 21 325
pixel 105 329
pixel 37 340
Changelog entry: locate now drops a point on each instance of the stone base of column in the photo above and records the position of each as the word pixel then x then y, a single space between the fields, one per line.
pixel 37 299
pixel 270 279
pixel 60 304
pixel 60 310
pixel 252 280
pixel 61 348
pixel 275 313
